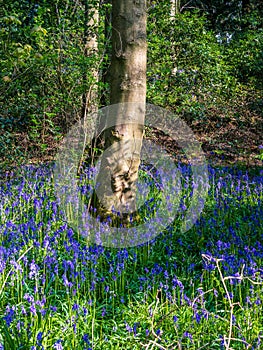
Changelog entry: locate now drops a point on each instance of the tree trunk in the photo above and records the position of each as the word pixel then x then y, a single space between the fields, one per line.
pixel 90 81
pixel 90 97
pixel 123 136
pixel 105 68
pixel 174 8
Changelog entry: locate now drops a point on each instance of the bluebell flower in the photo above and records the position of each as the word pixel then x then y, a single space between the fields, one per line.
pixel 158 331
pixel 10 315
pixel 136 324
pixel 58 345
pixel 32 309
pixel 75 306
pixel 128 328
pixel 188 335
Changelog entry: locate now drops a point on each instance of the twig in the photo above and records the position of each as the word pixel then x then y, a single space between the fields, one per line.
pixel 13 268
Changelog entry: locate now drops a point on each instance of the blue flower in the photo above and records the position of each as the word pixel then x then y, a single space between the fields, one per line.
pixel 58 345
pixel 128 328
pixel 188 335
pixel 86 338
pixel 75 307
pixel 10 315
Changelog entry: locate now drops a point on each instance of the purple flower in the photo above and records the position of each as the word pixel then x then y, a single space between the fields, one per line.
pixel 86 338
pixel 10 315
pixel 74 328
pixel 41 303
pixel 103 313
pixel 66 281
pixel 258 301
pixel 39 338
pixel 58 345
pixel 198 317
pixel 29 298
pixel 136 324
pixel 75 307
pixel 33 309
pixel 85 311
pixel 188 335
pixel 23 310
pixel 158 332
pixel 128 328
pixel 53 309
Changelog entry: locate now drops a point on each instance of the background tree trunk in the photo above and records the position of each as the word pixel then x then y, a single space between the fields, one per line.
pixel 175 7
pixel 124 133
pixel 91 74
pixel 104 98
pixel 90 97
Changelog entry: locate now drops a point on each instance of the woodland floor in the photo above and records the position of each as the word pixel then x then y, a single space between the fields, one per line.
pixel 229 136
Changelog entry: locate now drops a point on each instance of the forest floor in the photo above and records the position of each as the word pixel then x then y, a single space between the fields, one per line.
pixel 229 143
pixel 230 134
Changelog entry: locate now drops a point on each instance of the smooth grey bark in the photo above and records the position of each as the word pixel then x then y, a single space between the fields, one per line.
pixel 172 8
pixel 124 132
pixel 90 97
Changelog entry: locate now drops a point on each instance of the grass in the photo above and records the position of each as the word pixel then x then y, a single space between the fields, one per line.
pixel 201 289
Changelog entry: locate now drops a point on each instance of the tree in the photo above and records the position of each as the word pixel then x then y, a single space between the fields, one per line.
pixel 175 7
pixel 124 129
pixel 90 97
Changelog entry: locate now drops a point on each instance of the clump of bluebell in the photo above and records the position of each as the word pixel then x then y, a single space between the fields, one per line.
pixel 58 291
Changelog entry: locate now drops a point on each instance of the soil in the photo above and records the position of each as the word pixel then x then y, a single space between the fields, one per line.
pixel 231 138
